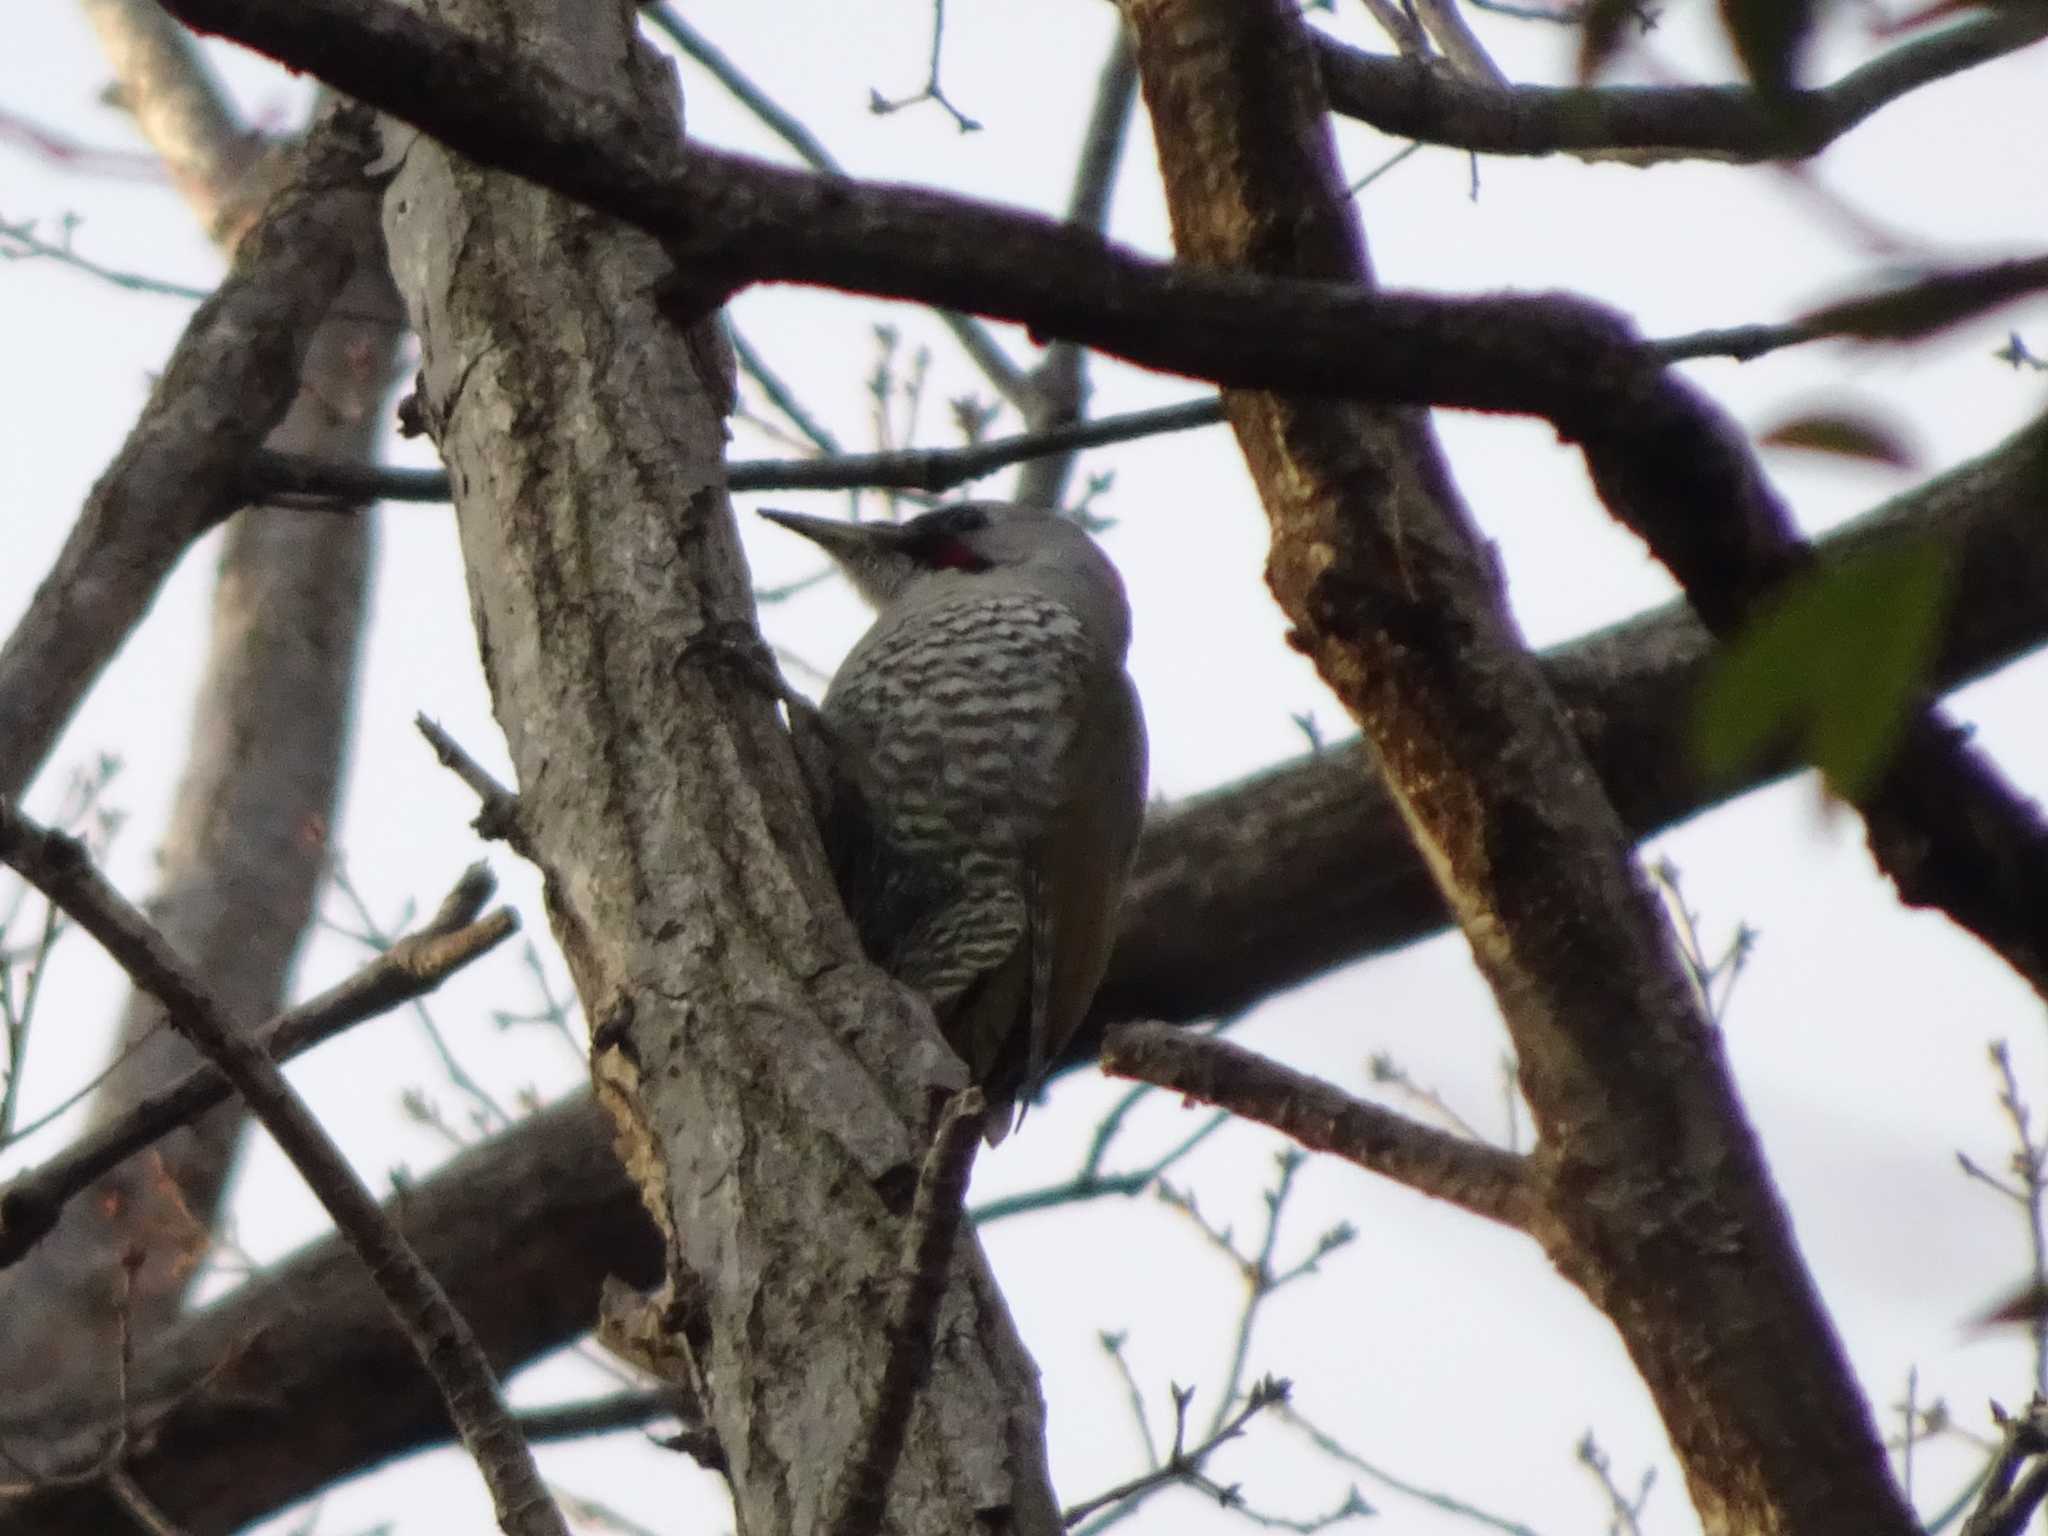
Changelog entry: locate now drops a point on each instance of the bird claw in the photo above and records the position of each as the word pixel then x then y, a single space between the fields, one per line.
pixel 737 644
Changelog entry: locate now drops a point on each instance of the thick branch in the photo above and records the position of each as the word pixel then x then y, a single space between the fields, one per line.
pixel 59 868
pixel 919 1287
pixel 1395 597
pixel 982 349
pixel 1483 1180
pixel 236 1400
pixel 1415 99
pixel 418 963
pixel 771 1091
pixel 229 381
pixel 1271 881
pixel 180 108
pixel 1240 893
pixel 1061 376
pixel 246 846
pixel 910 469
pixel 1668 462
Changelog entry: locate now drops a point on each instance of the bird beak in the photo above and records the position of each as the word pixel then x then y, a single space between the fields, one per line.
pixel 838 539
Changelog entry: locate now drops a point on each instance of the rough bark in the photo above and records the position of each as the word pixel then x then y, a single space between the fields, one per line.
pixel 1240 892
pixel 229 382
pixel 768 1085
pixel 1245 891
pixel 1667 462
pixel 301 1378
pixel 1658 1201
pixel 248 839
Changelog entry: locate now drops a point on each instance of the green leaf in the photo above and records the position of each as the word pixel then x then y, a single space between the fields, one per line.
pixel 1835 665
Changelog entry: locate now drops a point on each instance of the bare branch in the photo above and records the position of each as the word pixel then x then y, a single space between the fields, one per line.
pixel 59 867
pixel 987 354
pixel 1184 1463
pixel 920 1285
pixel 525 1227
pixel 1453 34
pixel 1435 1498
pixel 1645 124
pixel 23 242
pixel 933 90
pixel 1892 312
pixel 1896 311
pixel 1062 374
pixel 227 384
pixel 180 107
pixel 604 1415
pixel 245 847
pixel 1323 870
pixel 809 148
pixel 414 966
pixel 1396 599
pixel 497 814
pixel 1091 1183
pixel 1403 29
pixel 1479 1178
pixel 779 394
pixel 2008 1500
pixel 1946 827
pixel 931 470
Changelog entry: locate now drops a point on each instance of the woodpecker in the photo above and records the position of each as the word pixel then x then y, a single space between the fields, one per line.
pixel 984 773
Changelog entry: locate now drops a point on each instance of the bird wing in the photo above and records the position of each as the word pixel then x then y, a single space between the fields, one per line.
pixel 1084 864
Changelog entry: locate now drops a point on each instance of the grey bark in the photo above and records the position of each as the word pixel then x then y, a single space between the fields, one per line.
pixel 769 1086
pixel 1283 870
pixel 249 836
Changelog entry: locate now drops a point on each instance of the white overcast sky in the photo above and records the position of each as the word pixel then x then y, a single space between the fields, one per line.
pixel 1440 1349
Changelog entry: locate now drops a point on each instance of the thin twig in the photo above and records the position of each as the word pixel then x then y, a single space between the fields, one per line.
pixel 1183 1465
pixel 1113 1346
pixel 1624 1513
pixel 28 243
pixel 59 867
pixel 416 964
pixel 603 1415
pixel 1386 165
pixel 809 148
pixel 485 1108
pixel 1090 1183
pixel 1448 1503
pixel 931 470
pixel 1447 25
pixel 934 90
pixel 2009 1500
pixel 1062 373
pixel 497 814
pixel 779 394
pixel 1261 1280
pixel 920 1285
pixel 1482 1179
pixel 129 1495
pixel 1401 27
pixel 2028 1161
pixel 1010 381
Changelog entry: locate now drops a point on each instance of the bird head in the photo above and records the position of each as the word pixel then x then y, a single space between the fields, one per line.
pixel 965 542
